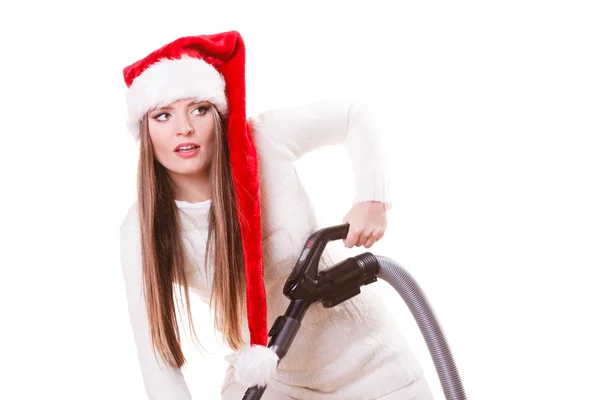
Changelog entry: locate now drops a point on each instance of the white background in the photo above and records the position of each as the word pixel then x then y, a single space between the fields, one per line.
pixel 492 124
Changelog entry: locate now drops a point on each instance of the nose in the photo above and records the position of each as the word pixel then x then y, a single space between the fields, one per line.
pixel 184 128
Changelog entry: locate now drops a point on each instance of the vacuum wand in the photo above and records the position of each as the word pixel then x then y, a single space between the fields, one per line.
pixel 282 335
pixel 340 282
pixel 303 289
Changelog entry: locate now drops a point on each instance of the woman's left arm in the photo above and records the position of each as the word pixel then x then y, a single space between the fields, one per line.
pixel 300 130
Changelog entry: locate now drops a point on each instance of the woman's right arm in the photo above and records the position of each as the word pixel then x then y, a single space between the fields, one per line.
pixel 161 381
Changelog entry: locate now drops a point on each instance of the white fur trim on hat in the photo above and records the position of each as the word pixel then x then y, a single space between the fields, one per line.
pixel 256 365
pixel 170 80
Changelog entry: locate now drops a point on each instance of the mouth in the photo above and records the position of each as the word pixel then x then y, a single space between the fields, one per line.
pixel 183 147
pixel 187 150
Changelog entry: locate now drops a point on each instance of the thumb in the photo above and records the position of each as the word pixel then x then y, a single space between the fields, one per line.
pixel 345 221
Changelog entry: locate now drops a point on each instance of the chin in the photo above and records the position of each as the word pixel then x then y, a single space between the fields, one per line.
pixel 194 171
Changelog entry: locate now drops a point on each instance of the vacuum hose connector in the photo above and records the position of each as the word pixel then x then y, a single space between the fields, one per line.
pixel 393 273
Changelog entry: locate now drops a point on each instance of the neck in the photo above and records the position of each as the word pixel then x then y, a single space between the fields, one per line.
pixel 191 188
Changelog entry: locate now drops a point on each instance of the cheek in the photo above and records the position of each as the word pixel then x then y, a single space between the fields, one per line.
pixel 205 131
pixel 160 142
pixel 204 127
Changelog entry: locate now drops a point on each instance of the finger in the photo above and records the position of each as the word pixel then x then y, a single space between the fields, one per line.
pixel 351 238
pixel 364 237
pixel 370 241
pixel 380 235
pixel 375 236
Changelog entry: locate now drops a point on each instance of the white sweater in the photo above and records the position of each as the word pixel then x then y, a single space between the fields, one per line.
pixel 351 351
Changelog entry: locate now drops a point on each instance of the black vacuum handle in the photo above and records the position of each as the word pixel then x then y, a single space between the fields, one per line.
pixel 336 232
pixel 304 275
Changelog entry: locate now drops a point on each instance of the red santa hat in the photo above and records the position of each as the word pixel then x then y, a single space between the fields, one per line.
pixel 212 68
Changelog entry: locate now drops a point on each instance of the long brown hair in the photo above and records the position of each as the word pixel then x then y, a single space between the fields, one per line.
pixel 163 255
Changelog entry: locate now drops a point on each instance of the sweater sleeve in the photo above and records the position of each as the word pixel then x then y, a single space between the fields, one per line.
pixel 303 129
pixel 162 382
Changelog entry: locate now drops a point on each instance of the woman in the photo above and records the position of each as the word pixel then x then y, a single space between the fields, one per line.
pixel 222 212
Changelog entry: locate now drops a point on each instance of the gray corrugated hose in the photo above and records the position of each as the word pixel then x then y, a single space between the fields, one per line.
pixel 408 288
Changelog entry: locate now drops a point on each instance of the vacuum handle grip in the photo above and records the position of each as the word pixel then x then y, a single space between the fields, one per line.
pixel 308 262
pixel 336 232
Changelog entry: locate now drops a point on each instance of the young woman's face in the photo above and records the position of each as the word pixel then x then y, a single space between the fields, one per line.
pixel 182 136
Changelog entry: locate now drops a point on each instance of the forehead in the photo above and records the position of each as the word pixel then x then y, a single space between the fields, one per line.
pixel 181 103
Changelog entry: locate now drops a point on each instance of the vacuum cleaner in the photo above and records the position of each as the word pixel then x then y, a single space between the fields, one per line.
pixel 342 281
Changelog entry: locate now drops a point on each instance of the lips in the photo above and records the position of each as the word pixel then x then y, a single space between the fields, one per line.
pixel 189 146
pixel 187 150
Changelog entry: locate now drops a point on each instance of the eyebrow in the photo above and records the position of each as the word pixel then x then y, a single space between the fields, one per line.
pixel 168 108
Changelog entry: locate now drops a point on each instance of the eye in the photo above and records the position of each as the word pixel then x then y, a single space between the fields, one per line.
pixel 201 110
pixel 161 116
